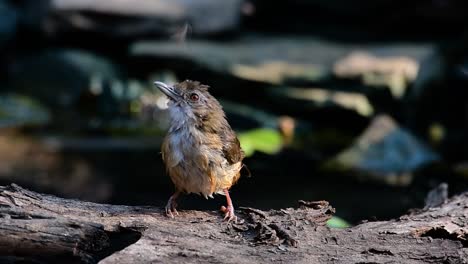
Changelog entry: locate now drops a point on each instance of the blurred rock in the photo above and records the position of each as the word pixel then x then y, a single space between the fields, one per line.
pixel 295 59
pixel 263 65
pixel 84 92
pixel 394 72
pixel 277 72
pixel 271 60
pixel 437 196
pixel 131 18
pixel 316 97
pixel 384 152
pixel 431 71
pixel 439 98
pixel 16 110
pixel 242 116
pixel 59 77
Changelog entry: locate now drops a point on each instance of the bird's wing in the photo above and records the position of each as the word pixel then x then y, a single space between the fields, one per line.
pixel 231 147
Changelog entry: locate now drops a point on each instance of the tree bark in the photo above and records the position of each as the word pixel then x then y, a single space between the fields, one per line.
pixel 38 228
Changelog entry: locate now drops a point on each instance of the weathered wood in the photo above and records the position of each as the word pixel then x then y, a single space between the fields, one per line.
pixel 37 228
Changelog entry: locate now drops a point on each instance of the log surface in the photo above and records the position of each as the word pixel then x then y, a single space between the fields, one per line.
pixel 38 228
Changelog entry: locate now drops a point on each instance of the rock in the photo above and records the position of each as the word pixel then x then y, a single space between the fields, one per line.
pixel 319 97
pixel 280 66
pixel 438 99
pixel 140 17
pixel 272 60
pixel 431 71
pixel 84 92
pixel 394 72
pixel 437 196
pixel 242 116
pixel 59 77
pixel 291 59
pixel 391 67
pixel 384 152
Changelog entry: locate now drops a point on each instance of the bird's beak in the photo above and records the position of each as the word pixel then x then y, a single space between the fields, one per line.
pixel 168 91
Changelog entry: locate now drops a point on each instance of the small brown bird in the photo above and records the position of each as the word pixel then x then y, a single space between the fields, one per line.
pixel 201 151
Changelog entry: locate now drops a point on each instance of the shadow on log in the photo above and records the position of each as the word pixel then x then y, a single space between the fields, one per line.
pixel 37 228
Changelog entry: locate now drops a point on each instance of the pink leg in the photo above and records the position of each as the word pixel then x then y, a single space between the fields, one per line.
pixel 172 204
pixel 229 211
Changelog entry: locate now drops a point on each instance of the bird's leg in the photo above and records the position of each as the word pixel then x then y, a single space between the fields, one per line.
pixel 172 204
pixel 229 211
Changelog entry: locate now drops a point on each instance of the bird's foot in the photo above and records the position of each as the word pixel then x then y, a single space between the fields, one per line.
pixel 229 214
pixel 171 207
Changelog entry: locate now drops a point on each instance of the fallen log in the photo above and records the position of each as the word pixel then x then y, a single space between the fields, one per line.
pixel 39 228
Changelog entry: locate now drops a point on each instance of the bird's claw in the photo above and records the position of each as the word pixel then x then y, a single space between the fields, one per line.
pixel 171 212
pixel 171 209
pixel 229 214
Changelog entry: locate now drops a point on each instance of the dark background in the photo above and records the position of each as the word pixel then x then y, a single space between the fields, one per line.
pixel 362 103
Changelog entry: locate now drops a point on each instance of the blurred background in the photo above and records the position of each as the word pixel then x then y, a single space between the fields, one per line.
pixel 361 104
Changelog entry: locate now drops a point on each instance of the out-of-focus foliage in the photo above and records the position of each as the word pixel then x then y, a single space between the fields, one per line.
pixel 17 110
pixel 336 222
pixel 262 139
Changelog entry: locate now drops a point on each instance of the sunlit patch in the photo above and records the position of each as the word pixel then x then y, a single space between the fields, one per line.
pixel 277 71
pixel 354 101
pixel 395 72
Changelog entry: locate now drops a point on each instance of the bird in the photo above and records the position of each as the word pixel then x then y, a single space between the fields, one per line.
pixel 201 151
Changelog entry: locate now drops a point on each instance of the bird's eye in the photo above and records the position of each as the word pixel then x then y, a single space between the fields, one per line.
pixel 194 97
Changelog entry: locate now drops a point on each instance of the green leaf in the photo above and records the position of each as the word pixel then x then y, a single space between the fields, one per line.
pixel 336 222
pixel 265 140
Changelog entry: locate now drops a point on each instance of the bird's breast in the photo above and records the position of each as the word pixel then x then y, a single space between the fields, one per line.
pixel 195 162
pixel 190 145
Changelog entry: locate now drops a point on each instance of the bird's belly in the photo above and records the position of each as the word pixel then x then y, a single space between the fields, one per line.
pixel 206 181
pixel 201 170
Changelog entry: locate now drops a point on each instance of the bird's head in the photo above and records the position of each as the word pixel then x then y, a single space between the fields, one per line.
pixel 190 102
